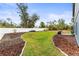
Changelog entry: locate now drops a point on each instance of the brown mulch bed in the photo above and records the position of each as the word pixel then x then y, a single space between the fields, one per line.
pixel 67 43
pixel 11 44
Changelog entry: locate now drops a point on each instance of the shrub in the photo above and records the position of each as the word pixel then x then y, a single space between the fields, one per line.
pixel 32 31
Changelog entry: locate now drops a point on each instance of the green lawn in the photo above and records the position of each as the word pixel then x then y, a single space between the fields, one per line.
pixel 40 44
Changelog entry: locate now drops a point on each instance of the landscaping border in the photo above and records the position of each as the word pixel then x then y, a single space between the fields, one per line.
pixel 60 50
pixel 23 49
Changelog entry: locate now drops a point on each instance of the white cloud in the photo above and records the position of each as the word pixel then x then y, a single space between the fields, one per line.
pixel 10 14
pixel 66 16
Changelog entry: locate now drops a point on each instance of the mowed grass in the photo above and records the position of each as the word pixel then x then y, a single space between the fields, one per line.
pixel 40 44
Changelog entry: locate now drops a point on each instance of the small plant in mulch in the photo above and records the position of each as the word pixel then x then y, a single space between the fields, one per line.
pixel 59 32
pixel 32 31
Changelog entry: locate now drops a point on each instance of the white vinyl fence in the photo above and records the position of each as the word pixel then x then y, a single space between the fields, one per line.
pixel 12 30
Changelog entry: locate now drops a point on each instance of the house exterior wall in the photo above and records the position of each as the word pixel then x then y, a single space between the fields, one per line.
pixel 76 23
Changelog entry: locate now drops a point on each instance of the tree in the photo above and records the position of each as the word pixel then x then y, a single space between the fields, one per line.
pixel 61 24
pixel 52 25
pixel 5 24
pixel 9 20
pixel 23 14
pixel 33 20
pixel 42 25
pixel 26 20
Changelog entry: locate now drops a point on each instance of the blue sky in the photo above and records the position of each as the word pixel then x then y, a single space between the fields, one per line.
pixel 46 11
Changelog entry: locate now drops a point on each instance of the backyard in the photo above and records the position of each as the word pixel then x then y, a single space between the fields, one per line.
pixel 40 44
pixel 32 30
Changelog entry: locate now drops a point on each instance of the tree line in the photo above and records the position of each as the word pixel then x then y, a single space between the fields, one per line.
pixel 57 25
pixel 28 21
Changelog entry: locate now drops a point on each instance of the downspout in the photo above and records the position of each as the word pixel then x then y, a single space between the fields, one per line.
pixel 73 19
pixel 73 10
